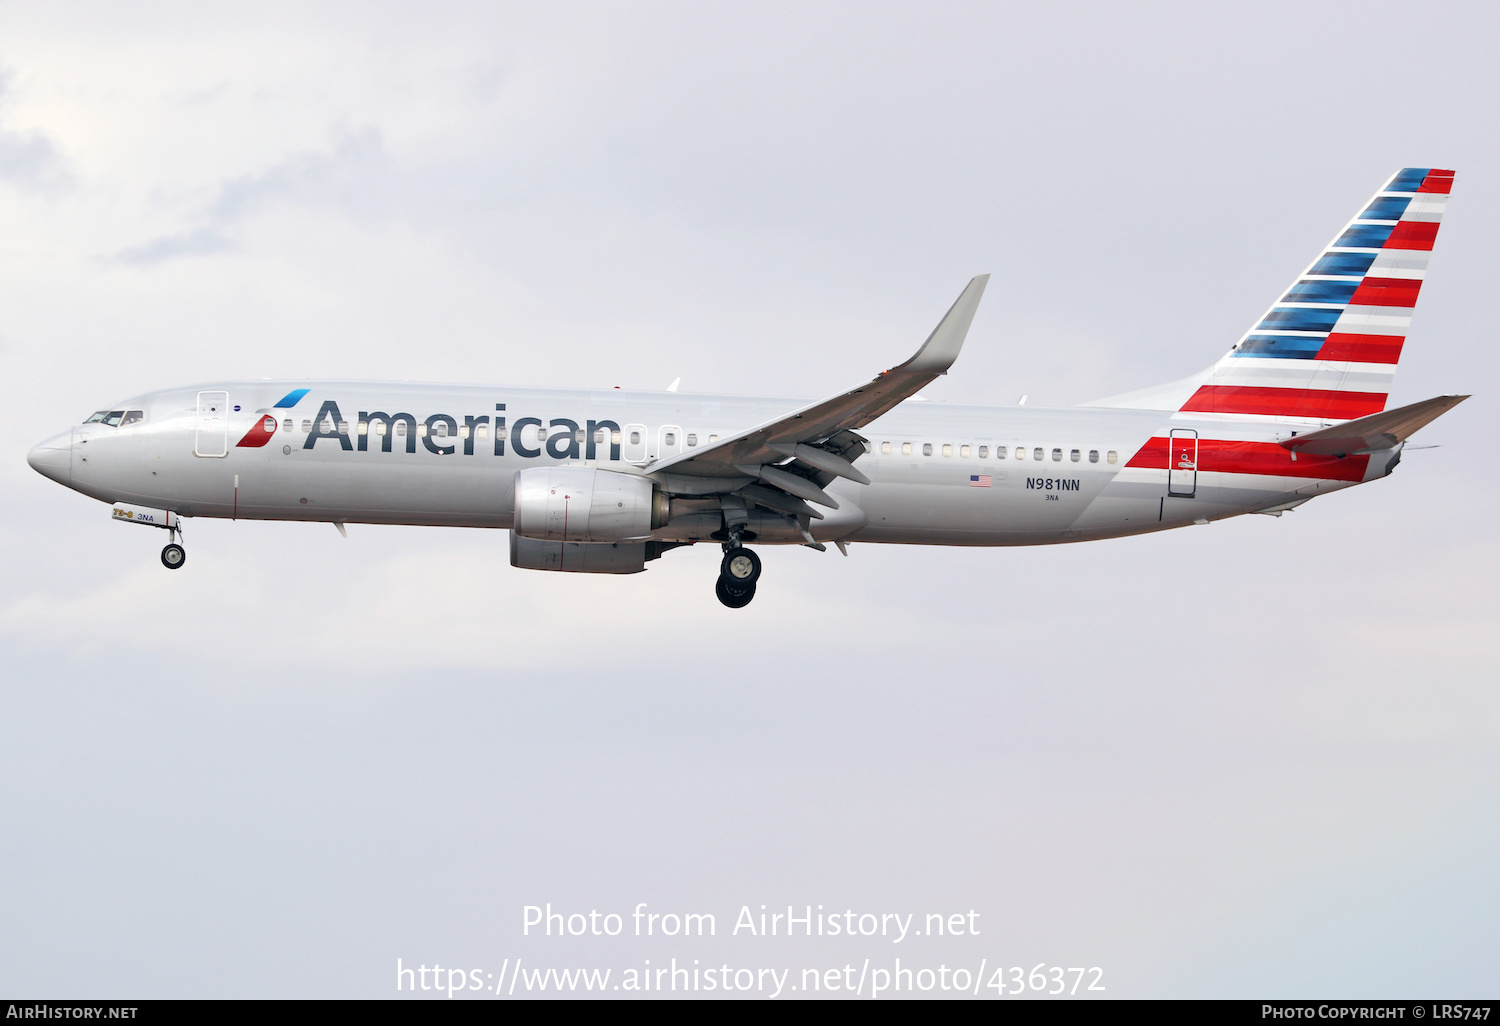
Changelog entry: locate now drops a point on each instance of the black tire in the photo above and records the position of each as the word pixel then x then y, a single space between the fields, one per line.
pixel 173 556
pixel 740 567
pixel 732 596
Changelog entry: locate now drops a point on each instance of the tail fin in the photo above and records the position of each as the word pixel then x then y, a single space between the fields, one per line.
pixel 1327 350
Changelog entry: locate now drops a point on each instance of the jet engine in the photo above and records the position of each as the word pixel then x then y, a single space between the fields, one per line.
pixel 581 558
pixel 578 504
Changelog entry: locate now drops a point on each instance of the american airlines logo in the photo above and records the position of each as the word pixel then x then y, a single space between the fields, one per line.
pixel 441 434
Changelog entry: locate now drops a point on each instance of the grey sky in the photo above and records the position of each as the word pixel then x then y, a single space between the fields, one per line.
pixel 1256 758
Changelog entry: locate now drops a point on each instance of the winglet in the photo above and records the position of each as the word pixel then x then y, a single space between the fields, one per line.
pixel 942 346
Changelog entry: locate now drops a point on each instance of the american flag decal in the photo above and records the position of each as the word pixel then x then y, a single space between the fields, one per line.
pixel 979 481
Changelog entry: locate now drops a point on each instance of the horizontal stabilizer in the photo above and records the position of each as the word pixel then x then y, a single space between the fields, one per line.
pixel 1377 431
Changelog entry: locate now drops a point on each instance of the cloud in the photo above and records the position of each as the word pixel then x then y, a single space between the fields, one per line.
pixel 333 174
pixel 29 160
pixel 304 176
pixel 198 242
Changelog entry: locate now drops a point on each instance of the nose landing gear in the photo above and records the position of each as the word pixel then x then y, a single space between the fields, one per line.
pixel 738 572
pixel 174 555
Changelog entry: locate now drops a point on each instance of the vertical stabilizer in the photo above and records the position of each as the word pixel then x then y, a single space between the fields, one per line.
pixel 1327 350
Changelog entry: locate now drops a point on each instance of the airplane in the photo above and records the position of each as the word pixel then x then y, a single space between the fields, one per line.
pixel 608 480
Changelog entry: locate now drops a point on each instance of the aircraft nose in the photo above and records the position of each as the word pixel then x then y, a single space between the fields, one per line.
pixel 54 458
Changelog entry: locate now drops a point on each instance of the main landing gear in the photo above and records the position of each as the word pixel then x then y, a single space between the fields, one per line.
pixel 174 555
pixel 738 572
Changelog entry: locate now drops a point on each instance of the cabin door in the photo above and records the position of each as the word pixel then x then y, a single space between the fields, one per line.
pixel 213 424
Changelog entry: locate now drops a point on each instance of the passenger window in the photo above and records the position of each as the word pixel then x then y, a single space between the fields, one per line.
pixel 1056 455
pixel 439 430
pixel 482 431
pixel 947 450
pixel 286 425
pixel 1021 453
pixel 963 452
pixel 635 438
pixel 463 431
pixel 541 434
pixel 670 438
pixel 363 428
pixel 578 436
pixel 96 418
pixel 1093 455
pixel 614 437
pixel 400 427
pixel 1000 452
pixel 1036 453
pixel 1114 457
pixel 343 427
pixel 885 448
pixel 133 417
pixel 712 439
pixel 692 440
pixel 926 448
pixel 114 417
pixel 381 427
pixel 984 452
pixel 502 433
pixel 1075 456
pixel 906 448
pixel 306 427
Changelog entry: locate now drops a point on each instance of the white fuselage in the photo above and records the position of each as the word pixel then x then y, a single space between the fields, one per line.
pixel 936 470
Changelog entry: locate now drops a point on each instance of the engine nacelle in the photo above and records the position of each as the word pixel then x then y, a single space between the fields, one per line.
pixel 578 504
pixel 578 557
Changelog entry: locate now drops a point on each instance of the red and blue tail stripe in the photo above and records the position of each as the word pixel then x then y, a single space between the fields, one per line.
pixel 1328 349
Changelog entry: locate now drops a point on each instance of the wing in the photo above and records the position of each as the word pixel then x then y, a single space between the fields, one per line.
pixel 798 452
pixel 1375 432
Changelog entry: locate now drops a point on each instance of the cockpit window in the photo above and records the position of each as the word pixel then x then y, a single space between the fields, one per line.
pixel 96 418
pixel 133 417
pixel 114 417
